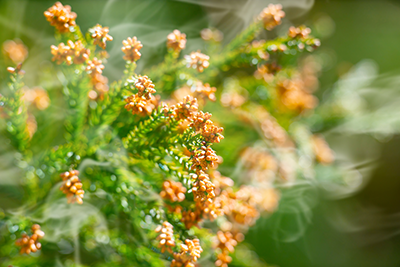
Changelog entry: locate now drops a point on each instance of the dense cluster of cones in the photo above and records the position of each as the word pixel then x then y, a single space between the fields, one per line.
pixel 31 243
pixel 72 187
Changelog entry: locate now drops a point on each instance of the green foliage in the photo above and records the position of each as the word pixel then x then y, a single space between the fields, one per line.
pixel 16 113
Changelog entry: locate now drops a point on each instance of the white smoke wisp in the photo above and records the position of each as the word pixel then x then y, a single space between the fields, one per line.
pixel 295 211
pixel 373 99
pixel 244 11
pixel 230 17
pixel 368 224
pixel 372 102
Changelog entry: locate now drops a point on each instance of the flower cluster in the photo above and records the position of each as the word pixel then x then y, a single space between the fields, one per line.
pixel 266 71
pixel 226 243
pixel 205 90
pixel 197 60
pixel 271 128
pixel 173 191
pixel 232 99
pixel 95 69
pixel 192 217
pixel 72 186
pixel 94 66
pixel 79 52
pixel 140 105
pixel 31 243
pixel 261 198
pixel 211 35
pixel 211 132
pixel 238 209
pixel 61 54
pixel 199 120
pixel 200 91
pixel 100 86
pixel 261 165
pixel 131 47
pixel 221 182
pixel 176 41
pixel 100 35
pixel 61 17
pixel 71 53
pixel 186 109
pixel 166 236
pixel 299 32
pixel 190 252
pixel 211 210
pixel 271 16
pixel 294 96
pixel 202 187
pixel 145 87
pixel 256 159
pixel 203 158
pixel 15 50
pixel 143 102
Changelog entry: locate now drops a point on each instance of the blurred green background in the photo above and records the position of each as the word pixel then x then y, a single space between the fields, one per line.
pixel 361 229
pixel 357 229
